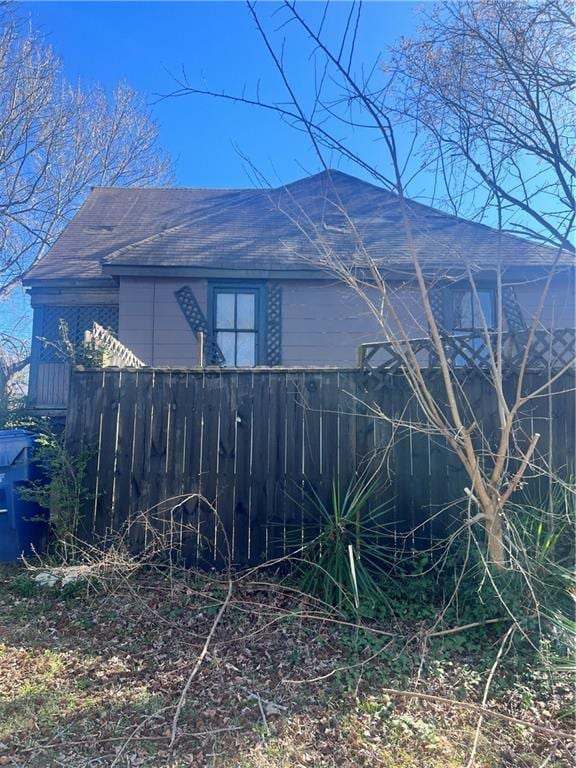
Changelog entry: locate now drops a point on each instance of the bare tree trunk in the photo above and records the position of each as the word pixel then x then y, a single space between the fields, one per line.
pixel 4 380
pixel 495 536
pixel 8 371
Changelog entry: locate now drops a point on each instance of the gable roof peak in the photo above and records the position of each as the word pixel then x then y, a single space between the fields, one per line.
pixel 329 174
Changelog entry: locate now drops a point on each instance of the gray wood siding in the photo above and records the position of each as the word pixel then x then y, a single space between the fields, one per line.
pixel 152 324
pixel 52 383
pixel 323 322
pixel 559 308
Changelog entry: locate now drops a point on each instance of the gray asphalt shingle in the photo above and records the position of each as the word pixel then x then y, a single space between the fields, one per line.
pixel 269 229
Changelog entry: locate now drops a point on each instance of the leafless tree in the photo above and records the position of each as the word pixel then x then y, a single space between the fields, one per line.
pixel 13 362
pixel 56 141
pixel 349 100
pixel 491 82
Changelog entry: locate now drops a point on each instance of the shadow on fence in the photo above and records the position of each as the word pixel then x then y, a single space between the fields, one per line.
pixel 255 443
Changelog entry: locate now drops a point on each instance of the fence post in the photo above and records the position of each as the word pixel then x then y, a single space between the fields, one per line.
pixel 201 336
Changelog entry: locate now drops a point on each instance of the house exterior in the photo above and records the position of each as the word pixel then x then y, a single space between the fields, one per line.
pixel 242 277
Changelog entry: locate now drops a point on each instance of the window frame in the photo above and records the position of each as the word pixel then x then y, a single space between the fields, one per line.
pixel 258 289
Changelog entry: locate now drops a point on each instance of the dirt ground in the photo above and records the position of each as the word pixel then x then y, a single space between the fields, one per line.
pixel 91 673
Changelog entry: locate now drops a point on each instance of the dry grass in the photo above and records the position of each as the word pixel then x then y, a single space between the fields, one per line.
pixel 85 667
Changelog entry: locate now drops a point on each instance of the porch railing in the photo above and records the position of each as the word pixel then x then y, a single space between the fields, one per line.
pixel 548 351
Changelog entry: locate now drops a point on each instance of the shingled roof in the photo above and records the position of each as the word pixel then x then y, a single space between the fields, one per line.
pixel 266 230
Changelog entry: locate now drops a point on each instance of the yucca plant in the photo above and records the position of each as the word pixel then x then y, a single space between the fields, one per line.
pixel 345 562
pixel 545 526
pixel 562 610
pixel 542 535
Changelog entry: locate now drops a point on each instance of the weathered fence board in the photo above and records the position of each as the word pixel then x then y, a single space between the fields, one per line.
pixel 227 460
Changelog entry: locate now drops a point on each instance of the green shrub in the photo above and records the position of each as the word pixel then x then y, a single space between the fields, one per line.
pixel 23 585
pixel 61 490
pixel 543 538
pixel 537 592
pixel 85 354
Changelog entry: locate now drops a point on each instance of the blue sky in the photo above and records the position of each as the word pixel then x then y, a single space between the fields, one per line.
pixel 216 42
pixel 147 43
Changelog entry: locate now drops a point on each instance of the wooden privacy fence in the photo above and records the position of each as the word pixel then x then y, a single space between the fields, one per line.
pixel 256 443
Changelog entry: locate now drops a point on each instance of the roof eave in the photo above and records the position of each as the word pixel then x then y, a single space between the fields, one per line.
pixel 393 271
pixel 167 270
pixel 86 283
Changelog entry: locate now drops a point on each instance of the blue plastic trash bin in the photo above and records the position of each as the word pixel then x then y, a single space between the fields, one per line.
pixel 23 524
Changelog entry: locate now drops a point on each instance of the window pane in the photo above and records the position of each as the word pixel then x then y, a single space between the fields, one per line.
pixel 246 349
pixel 245 308
pixel 224 310
pixel 462 308
pixel 226 342
pixel 487 307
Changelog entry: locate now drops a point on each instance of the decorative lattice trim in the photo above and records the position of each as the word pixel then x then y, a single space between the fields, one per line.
pixel 115 353
pixel 549 350
pixel 512 310
pixel 197 322
pixel 78 320
pixel 274 325
pixel 436 298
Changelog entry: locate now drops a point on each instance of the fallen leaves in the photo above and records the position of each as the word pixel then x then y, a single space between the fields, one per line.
pixel 78 676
